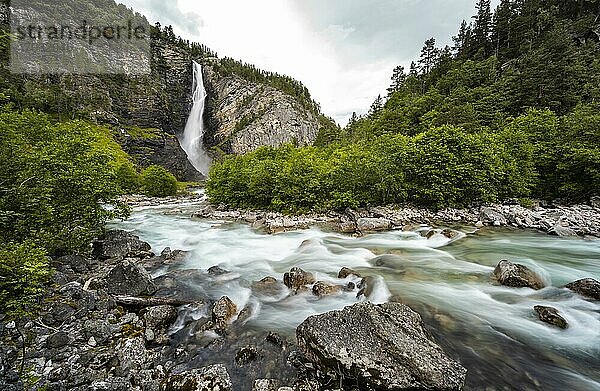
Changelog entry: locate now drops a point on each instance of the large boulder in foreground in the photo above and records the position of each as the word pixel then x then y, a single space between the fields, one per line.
pixel 382 347
pixel 517 276
pixel 587 287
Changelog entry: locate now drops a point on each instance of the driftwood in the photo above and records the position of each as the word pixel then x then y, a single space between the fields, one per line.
pixel 151 301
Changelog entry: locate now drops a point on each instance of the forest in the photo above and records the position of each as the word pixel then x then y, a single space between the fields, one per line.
pixel 510 111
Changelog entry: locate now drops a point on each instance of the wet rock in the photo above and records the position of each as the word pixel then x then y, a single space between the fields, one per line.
pixel 217 271
pixel 366 286
pixel 118 244
pixel 266 385
pixel 210 378
pixel 268 286
pixel 321 289
pixel 517 276
pixel 550 315
pixel 160 317
pixel 246 355
pixel 297 279
pixel 563 232
pixel 368 224
pixel 450 234
pixel 347 272
pixel 58 340
pixel 378 347
pixel 181 284
pixel 130 280
pixel 167 258
pixel 490 216
pixel 595 202
pixel 223 311
pixel 587 287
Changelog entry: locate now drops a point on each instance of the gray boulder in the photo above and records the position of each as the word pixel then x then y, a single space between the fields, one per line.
pixel 118 244
pixel 297 279
pixel 550 315
pixel 322 288
pixel 160 316
pixel 516 276
pixel 382 347
pixel 210 378
pixel 223 311
pixel 587 287
pixel 490 216
pixel 367 224
pixel 129 279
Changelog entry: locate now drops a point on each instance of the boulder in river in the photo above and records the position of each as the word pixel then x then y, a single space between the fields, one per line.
pixel 587 287
pixel 129 279
pixel 223 311
pixel 550 315
pixel 322 288
pixel 297 279
pixel 269 287
pixel 383 347
pixel 368 224
pixel 517 276
pixel 118 244
pixel 214 377
pixel 347 272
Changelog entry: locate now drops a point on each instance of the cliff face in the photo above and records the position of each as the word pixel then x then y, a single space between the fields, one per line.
pixel 242 116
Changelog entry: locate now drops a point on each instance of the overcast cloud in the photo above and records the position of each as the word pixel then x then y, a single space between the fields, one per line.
pixel 342 50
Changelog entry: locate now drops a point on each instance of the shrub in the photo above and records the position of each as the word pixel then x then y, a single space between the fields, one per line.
pixel 128 179
pixel 23 271
pixel 158 182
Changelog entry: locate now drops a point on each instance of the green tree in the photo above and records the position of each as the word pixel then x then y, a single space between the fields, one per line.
pixel 158 182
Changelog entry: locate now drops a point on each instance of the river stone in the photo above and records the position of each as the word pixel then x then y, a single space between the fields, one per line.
pixel 129 279
pixel 367 224
pixel 490 216
pixel 212 378
pixel 118 244
pixel 383 347
pixel 268 286
pixel 587 287
pixel 160 316
pixel 266 385
pixel 223 311
pixel 347 272
pixel 550 315
pixel 517 276
pixel 321 289
pixel 296 279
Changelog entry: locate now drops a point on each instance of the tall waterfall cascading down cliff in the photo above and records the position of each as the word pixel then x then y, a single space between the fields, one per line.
pixel 192 139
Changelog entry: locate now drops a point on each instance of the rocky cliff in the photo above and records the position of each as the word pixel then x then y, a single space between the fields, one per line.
pixel 243 116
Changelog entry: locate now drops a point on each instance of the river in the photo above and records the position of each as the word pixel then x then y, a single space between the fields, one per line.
pixel 492 330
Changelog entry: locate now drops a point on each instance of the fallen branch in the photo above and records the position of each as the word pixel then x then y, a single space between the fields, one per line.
pixel 150 301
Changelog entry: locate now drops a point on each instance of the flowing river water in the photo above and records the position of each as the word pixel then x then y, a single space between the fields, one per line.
pixel 492 330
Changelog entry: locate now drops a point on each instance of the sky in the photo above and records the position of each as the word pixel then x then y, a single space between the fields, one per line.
pixel 344 51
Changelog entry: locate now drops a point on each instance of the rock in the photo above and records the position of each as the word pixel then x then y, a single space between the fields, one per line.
pixel 268 286
pixel 265 385
pixel 490 216
pixel 383 347
pixel 563 232
pixel 587 287
pixel 297 279
pixel 517 276
pixel 595 202
pixel 130 280
pixel 223 311
pixel 450 234
pixel 76 263
pixel 118 244
pixel 100 330
pixel 212 378
pixel 133 355
pixel 246 355
pixel 160 316
pixel 366 286
pixel 217 271
pixel 367 224
pixel 550 315
pixel 346 272
pixel 321 289
pixel 58 340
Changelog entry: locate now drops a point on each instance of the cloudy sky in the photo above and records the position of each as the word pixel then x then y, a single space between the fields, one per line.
pixel 342 50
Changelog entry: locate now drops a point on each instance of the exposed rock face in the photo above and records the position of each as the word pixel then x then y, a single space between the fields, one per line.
pixel 243 116
pixel 382 347
pixel 550 315
pixel 587 287
pixel 297 279
pixel 516 276
pixel 129 279
pixel 118 244
pixel 211 378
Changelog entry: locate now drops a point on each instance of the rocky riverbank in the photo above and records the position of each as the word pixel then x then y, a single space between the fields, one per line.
pixel 563 221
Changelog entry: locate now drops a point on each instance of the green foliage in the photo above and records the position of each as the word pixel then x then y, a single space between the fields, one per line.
pixel 442 167
pixel 158 182
pixel 53 179
pixel 23 271
pixel 128 179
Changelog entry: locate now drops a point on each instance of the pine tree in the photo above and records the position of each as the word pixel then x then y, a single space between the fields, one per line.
pixel 501 29
pixel 482 28
pixel 377 106
pixel 460 40
pixel 398 79
pixel 428 56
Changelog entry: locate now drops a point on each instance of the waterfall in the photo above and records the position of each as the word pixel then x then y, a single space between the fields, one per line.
pixel 192 140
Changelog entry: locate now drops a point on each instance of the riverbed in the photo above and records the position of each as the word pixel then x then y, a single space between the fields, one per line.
pixel 492 330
